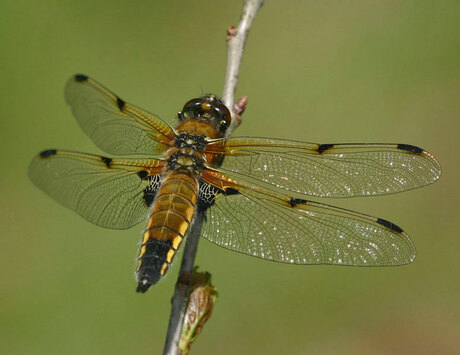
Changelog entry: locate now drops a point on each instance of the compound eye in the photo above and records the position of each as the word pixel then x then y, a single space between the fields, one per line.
pixel 192 104
pixel 224 113
pixel 191 108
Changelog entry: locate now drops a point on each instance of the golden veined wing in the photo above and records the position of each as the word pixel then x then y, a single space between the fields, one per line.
pixel 326 170
pixel 111 193
pixel 269 226
pixel 114 125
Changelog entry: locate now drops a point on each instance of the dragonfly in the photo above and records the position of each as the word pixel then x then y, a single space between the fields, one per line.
pixel 251 192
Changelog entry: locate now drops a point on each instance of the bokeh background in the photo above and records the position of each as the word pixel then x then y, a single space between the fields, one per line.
pixel 318 71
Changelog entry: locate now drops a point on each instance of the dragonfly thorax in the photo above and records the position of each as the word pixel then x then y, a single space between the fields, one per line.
pixel 186 140
pixel 186 159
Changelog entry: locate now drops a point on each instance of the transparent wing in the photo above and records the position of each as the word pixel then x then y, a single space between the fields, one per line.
pixel 111 193
pixel 274 227
pixel 326 170
pixel 114 125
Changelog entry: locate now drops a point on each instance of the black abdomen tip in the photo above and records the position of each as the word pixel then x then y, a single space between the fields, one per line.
pixel 48 153
pixel 143 285
pixel 81 77
pixel 146 279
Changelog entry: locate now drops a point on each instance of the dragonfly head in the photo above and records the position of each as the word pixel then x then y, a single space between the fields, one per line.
pixel 208 109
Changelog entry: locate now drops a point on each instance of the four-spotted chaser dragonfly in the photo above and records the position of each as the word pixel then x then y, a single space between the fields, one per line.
pixel 247 189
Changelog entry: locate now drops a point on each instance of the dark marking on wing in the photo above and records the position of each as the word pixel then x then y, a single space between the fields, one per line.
pixel 229 191
pixel 142 174
pixel 389 225
pixel 297 201
pixel 81 77
pixel 148 198
pixel 323 147
pixel 410 148
pixel 150 191
pixel 107 161
pixel 48 153
pixel 206 195
pixel 120 103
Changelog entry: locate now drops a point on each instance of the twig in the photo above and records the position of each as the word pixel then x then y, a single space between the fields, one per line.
pixel 236 40
pixel 181 291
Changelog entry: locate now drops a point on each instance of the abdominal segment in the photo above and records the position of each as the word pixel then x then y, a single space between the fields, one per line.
pixel 169 219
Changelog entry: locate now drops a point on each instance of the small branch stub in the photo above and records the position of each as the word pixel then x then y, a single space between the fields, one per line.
pixel 231 32
pixel 238 110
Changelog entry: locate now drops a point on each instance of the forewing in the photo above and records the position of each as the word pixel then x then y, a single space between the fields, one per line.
pixel 114 125
pixel 326 170
pixel 288 230
pixel 111 193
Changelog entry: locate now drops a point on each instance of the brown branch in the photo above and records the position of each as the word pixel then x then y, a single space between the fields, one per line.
pixel 236 40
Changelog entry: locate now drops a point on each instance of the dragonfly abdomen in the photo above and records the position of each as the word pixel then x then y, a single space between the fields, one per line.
pixel 169 219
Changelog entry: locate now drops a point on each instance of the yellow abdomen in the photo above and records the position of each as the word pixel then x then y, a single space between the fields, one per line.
pixel 169 219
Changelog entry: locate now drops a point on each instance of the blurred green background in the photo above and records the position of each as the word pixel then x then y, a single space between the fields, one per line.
pixel 329 71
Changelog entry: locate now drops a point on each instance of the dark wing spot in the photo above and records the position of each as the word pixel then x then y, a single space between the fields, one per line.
pixel 297 201
pixel 107 161
pixel 410 148
pixel 323 147
pixel 81 77
pixel 229 191
pixel 142 174
pixel 120 103
pixel 389 225
pixel 48 153
pixel 207 194
pixel 150 191
pixel 148 198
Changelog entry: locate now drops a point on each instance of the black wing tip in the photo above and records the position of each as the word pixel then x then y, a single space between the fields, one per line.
pixel 410 148
pixel 81 77
pixel 389 225
pixel 323 147
pixel 47 153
